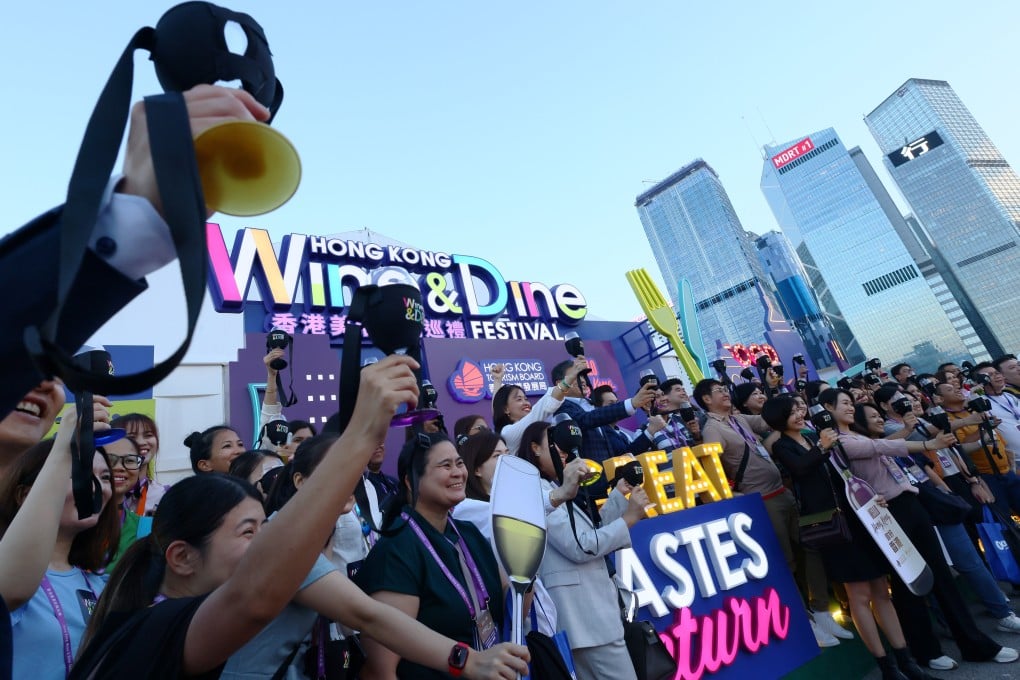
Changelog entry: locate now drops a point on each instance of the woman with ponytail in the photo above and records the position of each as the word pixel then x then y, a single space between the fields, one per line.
pixel 212 573
pixel 214 449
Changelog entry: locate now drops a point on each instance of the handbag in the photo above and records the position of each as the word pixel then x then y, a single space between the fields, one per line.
pixel 1000 558
pixel 648 653
pixel 827 528
pixel 942 507
pixel 551 658
pixel 328 659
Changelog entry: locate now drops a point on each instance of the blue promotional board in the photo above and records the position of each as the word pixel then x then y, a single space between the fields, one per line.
pixel 713 581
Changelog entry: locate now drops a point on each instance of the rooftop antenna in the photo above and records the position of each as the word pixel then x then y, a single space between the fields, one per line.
pixel 765 123
pixel 757 147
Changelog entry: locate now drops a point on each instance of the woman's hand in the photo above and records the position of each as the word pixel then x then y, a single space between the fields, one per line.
pixel 574 473
pixel 982 494
pixel 943 440
pixel 880 499
pixel 909 421
pixel 504 660
pixel 496 372
pixel 827 438
pixel 579 365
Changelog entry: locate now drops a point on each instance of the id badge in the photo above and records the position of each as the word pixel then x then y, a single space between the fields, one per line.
pixel 763 452
pixel 485 629
pixel 87 601
pixel 894 470
pixel 948 466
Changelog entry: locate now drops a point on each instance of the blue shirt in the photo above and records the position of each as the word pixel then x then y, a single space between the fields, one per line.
pixel 38 641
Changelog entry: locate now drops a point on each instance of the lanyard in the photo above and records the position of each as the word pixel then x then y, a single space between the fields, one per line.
pixel 58 613
pixel 478 585
pixel 1008 406
pixel 678 433
pixel 751 440
pixel 367 534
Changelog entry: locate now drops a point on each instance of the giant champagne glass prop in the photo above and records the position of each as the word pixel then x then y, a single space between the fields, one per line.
pixel 394 319
pixel 518 529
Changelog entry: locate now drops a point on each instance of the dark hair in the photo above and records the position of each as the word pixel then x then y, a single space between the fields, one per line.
pixel 500 418
pixel 814 387
pixel 533 434
pixel 410 468
pixel 306 458
pixel 667 386
pixel 1001 360
pixel 860 425
pixel 946 365
pixel 981 365
pixel 91 548
pixel 702 390
pixel 245 464
pixel 884 394
pixel 462 428
pixel 135 422
pixel 828 397
pixel 897 368
pixel 295 425
pixel 191 511
pixel 559 371
pixel 741 393
pixel 777 411
pixel 599 392
pixel 475 451
pixel 200 444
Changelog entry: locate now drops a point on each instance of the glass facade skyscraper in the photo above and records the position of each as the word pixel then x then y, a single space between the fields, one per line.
pixel 797 299
pixel 964 194
pixel 695 234
pixel 819 194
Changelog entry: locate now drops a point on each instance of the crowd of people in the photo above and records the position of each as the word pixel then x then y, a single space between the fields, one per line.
pixel 360 574
pixel 302 557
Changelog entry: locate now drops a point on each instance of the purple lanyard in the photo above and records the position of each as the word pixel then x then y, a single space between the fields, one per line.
pixel 750 439
pixel 678 434
pixel 61 621
pixel 476 576
pixel 1008 406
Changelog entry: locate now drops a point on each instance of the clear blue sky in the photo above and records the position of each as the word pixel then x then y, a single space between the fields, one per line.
pixel 522 132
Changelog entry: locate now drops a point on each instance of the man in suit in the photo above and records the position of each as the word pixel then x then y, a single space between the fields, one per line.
pixel 129 241
pixel 594 446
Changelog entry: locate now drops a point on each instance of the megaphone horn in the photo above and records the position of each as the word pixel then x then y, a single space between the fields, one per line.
pixel 247 168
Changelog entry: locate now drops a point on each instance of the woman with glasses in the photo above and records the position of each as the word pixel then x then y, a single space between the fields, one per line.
pixel 436 569
pixel 468 426
pixel 142 498
pixel 126 465
pixel 749 399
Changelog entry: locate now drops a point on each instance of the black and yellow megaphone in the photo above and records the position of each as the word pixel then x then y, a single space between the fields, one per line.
pixel 247 168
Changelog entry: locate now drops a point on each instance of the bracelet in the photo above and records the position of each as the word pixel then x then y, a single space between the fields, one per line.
pixel 564 385
pixel 924 445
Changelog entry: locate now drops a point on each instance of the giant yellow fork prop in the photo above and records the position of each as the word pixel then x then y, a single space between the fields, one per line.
pixel 663 319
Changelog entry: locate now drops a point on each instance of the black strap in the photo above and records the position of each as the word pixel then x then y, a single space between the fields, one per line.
pixel 743 466
pixel 285 398
pixel 985 428
pixel 180 190
pixel 87 492
pixel 350 362
pixel 558 467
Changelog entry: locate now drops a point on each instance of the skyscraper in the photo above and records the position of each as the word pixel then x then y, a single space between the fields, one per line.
pixel 964 194
pixel 695 234
pixel 819 194
pixel 797 299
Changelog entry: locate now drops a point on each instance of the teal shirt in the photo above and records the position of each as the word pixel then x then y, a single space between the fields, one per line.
pixel 400 563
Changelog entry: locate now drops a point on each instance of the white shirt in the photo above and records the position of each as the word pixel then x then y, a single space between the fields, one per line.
pixel 1006 408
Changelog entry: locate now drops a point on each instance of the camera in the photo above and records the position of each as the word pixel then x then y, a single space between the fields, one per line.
pixel 938 417
pixel 277 339
pixel 801 385
pixel 902 406
pixel 574 344
pixel 845 383
pixel 429 395
pixel 928 386
pixel 747 374
pixel 821 418
pixel 778 369
pixel 763 362
pixel 719 366
pixel 631 472
pixel 871 378
pixel 966 367
pixel 687 412
pixel 979 404
pixel 648 376
pixel 873 364
pixel 980 379
pixel 277 432
pixel 799 360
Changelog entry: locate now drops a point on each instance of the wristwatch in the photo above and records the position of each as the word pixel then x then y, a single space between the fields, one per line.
pixel 458 659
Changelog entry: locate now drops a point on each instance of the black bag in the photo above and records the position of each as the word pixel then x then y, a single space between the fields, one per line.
pixel 825 529
pixel 546 661
pixel 338 659
pixel 943 508
pixel 651 659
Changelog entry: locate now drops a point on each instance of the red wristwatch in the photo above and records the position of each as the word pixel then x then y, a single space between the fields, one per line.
pixel 458 659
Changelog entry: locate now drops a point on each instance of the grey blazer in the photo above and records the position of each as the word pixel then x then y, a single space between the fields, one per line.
pixel 580 585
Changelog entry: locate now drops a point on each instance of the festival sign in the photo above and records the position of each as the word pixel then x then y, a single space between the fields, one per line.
pixel 306 287
pixel 712 578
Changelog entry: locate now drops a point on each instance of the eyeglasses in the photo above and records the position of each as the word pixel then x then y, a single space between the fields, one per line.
pixel 480 427
pixel 131 461
pixel 719 389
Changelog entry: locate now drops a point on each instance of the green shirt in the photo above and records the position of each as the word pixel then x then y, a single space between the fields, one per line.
pixel 400 563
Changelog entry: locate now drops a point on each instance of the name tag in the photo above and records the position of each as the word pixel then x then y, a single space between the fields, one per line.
pixel 485 630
